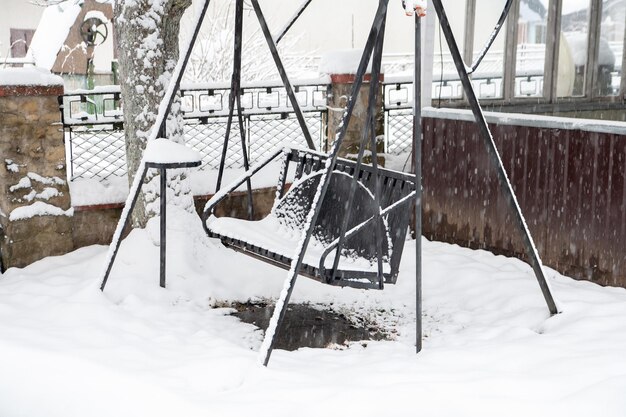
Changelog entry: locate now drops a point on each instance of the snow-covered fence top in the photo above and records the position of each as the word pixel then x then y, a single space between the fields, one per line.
pixel 29 81
pixel 102 105
pixel 532 120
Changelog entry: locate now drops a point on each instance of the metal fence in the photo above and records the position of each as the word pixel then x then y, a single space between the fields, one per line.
pixel 94 129
pixel 397 105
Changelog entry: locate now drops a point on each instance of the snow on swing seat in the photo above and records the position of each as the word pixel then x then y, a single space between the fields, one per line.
pixel 275 238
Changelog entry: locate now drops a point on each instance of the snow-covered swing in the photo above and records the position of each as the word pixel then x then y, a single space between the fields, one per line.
pixel 346 221
pixel 322 226
pixel 360 212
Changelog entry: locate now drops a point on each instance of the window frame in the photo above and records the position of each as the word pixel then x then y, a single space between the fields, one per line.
pixel 550 73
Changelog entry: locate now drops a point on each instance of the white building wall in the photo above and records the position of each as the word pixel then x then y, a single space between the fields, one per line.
pixel 17 14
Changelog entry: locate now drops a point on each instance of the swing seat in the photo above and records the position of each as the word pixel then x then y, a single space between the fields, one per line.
pixel 275 238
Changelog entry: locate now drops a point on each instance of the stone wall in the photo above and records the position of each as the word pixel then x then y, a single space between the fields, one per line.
pixel 95 225
pixel 35 212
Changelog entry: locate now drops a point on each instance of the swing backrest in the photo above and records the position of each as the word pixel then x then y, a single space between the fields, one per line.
pixel 293 206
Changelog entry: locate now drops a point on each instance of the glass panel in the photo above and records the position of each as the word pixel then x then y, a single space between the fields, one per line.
pixel 488 77
pixel 531 47
pixel 446 83
pixel 573 48
pixel 609 71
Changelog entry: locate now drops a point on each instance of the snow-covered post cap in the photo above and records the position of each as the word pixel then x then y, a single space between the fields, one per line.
pixel 342 65
pixel 29 81
pixel 167 152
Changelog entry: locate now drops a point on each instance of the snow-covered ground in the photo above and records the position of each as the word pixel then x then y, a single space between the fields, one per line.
pixel 490 349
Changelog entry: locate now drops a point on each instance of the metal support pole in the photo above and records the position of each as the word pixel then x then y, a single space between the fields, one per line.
pixel 417 169
pixel 492 150
pixel 235 99
pixel 293 20
pixel 296 263
pixel 237 81
pixel 163 225
pixel 378 54
pixel 365 134
pixel 118 233
pixel 283 75
pixel 244 152
pixel 179 76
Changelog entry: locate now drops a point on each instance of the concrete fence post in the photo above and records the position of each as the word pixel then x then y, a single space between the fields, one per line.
pixel 341 65
pixel 35 212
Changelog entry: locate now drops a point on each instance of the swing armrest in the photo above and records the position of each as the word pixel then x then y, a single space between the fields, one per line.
pixel 209 208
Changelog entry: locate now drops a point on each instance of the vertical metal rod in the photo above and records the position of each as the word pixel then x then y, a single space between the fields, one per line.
pixel 492 150
pixel 229 123
pixel 417 169
pixel 283 75
pixel 367 131
pixel 244 151
pixel 124 222
pixel 71 155
pixel 374 152
pixel 296 263
pixel 163 225
pixel 235 90
pixel 237 83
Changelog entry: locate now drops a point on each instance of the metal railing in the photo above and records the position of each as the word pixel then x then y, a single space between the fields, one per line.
pixel 94 128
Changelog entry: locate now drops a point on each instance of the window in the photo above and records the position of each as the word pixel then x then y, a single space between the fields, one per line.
pixel 20 41
pixel 608 73
pixel 549 51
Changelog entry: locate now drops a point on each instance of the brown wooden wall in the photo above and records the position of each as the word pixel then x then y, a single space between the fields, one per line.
pixel 570 183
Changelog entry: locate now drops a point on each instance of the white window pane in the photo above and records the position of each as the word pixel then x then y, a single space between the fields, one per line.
pixel 531 48
pixel 446 83
pixel 487 79
pixel 609 71
pixel 573 48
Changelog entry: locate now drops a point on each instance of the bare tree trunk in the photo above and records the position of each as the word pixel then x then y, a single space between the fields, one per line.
pixel 147 33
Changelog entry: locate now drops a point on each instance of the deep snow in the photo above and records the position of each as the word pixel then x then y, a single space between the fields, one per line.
pixel 490 349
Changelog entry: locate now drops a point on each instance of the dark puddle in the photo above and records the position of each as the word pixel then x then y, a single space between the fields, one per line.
pixel 306 326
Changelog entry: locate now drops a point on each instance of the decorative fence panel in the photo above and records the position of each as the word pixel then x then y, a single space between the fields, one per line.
pixel 95 132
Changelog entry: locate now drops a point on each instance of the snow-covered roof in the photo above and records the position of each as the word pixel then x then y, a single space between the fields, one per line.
pixel 52 32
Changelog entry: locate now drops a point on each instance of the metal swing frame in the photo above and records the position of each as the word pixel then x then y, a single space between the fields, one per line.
pixel 373 48
pixel 372 45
